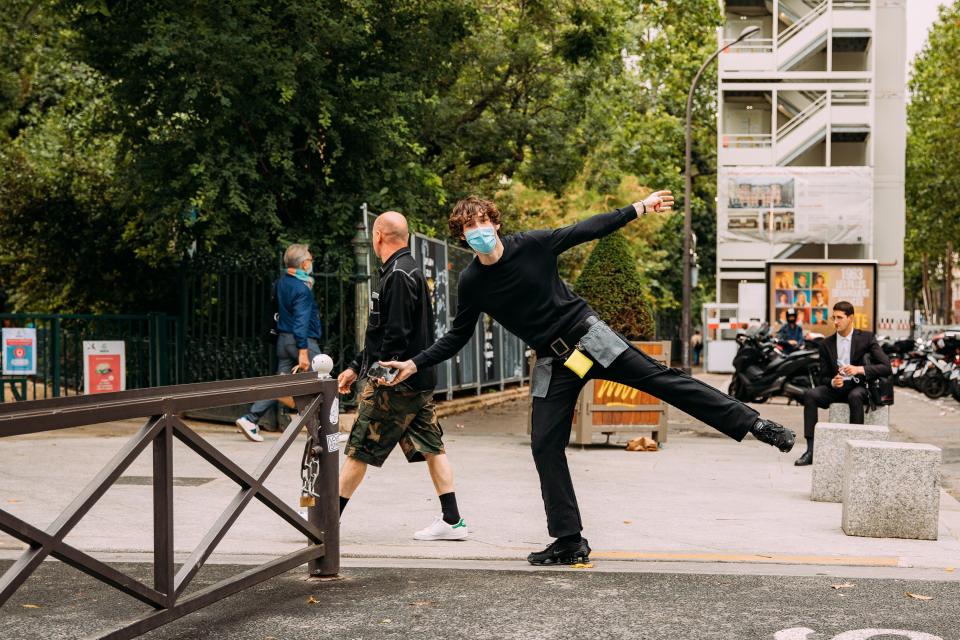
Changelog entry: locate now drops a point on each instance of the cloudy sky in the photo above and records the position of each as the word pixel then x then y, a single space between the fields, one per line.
pixel 920 15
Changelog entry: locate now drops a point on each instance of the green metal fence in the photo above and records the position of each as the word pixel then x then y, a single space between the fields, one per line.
pixel 150 342
pixel 224 313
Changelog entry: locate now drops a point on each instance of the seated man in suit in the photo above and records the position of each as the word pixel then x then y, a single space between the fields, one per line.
pixel 842 372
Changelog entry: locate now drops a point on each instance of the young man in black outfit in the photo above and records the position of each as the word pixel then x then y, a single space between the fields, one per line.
pixel 841 382
pixel 515 281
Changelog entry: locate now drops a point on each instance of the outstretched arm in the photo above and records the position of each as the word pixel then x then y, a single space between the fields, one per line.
pixel 598 226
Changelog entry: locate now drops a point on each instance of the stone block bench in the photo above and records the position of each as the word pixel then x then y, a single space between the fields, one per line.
pixel 891 489
pixel 840 413
pixel 829 451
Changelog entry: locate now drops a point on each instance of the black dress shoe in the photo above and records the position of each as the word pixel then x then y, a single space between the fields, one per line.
pixel 562 553
pixel 805 459
pixel 773 434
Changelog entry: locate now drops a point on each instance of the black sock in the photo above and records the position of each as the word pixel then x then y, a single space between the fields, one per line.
pixel 343 503
pixel 573 538
pixel 809 444
pixel 448 502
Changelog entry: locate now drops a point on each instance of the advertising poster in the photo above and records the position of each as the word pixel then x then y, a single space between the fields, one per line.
pixel 795 204
pixel 19 351
pixel 813 287
pixel 104 366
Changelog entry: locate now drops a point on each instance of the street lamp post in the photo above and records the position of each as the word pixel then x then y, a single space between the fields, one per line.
pixel 361 256
pixel 687 325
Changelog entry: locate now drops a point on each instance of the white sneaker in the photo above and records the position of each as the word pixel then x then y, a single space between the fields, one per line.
pixel 249 429
pixel 440 530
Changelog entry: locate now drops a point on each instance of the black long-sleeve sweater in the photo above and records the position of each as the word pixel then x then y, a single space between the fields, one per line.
pixel 522 290
pixel 401 319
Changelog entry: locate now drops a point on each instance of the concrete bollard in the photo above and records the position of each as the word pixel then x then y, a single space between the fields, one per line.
pixel 891 490
pixel 840 413
pixel 829 451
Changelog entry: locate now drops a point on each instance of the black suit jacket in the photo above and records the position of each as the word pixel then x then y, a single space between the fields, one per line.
pixel 861 344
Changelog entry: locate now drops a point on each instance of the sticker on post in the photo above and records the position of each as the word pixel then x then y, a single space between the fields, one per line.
pixel 335 411
pixel 333 442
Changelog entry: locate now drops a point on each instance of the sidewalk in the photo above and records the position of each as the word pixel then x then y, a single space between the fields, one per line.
pixel 703 498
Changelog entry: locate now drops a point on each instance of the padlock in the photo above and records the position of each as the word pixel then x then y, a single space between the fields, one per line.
pixel 307 501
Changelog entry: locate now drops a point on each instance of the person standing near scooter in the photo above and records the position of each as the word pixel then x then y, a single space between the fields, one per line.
pixel 791 333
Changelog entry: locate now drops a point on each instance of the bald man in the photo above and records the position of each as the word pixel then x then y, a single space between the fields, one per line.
pixel 400 326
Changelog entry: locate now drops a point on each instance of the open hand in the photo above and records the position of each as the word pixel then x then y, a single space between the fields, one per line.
pixel 404 369
pixel 656 201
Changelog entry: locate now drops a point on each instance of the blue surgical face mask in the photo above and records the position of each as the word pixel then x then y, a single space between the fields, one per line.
pixel 482 239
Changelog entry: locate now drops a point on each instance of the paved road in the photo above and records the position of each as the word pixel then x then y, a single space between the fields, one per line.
pixel 702 493
pixel 386 603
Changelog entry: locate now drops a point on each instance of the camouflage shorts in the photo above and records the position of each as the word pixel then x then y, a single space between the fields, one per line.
pixel 390 415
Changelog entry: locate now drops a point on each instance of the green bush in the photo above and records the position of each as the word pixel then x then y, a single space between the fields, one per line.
pixel 611 284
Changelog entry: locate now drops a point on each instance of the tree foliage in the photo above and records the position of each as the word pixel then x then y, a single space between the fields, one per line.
pixel 247 121
pixel 644 134
pixel 63 220
pixel 933 166
pixel 136 135
pixel 611 285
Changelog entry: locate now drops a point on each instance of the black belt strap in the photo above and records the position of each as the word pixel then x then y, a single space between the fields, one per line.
pixel 563 345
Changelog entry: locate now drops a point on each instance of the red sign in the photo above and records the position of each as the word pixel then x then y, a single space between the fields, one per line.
pixel 105 372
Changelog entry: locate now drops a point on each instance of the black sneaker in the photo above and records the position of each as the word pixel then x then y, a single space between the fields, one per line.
pixel 773 434
pixel 562 553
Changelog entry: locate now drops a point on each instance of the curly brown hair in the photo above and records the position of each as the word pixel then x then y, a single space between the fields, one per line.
pixel 468 209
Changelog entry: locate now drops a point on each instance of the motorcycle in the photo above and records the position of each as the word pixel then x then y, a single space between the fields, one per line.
pixel 911 365
pixel 897 353
pixel 947 346
pixel 928 367
pixel 954 378
pixel 763 370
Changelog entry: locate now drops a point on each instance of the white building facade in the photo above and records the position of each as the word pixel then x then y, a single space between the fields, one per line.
pixel 811 140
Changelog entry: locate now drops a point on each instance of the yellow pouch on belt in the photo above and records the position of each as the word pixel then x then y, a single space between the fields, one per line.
pixel 578 363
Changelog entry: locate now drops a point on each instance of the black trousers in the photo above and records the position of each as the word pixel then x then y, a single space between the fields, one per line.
pixel 552 421
pixel 823 396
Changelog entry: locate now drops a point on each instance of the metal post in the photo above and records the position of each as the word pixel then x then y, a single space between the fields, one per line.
pixel 325 514
pixel 55 354
pixel 502 354
pixel 686 323
pixel 448 321
pixel 163 569
pixel 361 255
pixel 481 363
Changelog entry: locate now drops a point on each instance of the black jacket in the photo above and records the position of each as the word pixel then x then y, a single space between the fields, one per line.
pixel 401 319
pixel 862 343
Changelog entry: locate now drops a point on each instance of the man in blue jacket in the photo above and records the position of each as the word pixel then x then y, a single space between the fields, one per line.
pixel 298 328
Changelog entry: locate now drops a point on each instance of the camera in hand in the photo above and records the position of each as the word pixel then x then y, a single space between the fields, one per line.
pixel 377 370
